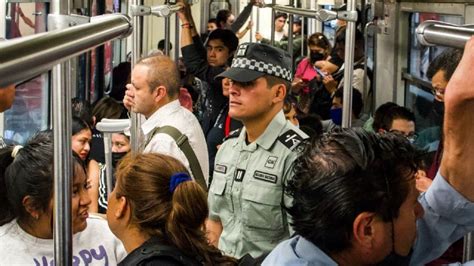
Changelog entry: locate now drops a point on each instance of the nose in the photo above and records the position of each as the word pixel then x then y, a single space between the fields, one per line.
pixel 234 89
pixel 212 53
pixel 85 199
pixel 87 147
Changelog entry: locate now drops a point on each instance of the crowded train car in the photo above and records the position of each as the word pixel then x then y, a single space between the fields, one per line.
pixel 251 132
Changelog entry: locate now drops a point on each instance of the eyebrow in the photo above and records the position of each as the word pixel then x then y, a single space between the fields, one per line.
pixel 217 46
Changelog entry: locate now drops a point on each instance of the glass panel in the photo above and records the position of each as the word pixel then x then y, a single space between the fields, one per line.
pixel 418 96
pixel 421 56
pixel 29 112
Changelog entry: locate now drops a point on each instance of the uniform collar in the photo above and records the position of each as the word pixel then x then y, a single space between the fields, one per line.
pixel 307 251
pixel 156 119
pixel 268 137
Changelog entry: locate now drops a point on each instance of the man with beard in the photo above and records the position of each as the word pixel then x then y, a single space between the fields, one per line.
pixel 354 195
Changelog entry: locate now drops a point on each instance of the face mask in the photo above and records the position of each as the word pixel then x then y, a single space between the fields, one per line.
pixel 315 56
pixel 116 157
pixel 394 259
pixel 336 116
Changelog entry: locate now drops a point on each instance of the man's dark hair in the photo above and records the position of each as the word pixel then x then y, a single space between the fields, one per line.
pixel 222 17
pixel 212 20
pixel 345 173
pixel 281 15
pixel 161 45
pixel 447 61
pixel 385 119
pixel 380 113
pixel 227 37
pixel 311 125
pixel 341 37
pixel 357 102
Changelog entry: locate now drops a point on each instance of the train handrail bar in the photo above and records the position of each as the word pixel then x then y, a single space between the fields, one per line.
pixel 432 32
pixel 21 59
pixel 321 15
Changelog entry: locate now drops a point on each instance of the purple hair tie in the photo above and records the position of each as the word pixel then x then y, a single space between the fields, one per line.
pixel 177 179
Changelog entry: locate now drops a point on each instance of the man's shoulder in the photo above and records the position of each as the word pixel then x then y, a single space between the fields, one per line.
pixel 291 138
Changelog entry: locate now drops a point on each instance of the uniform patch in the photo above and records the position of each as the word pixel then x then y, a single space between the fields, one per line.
pixel 219 168
pixel 265 177
pixel 271 161
pixel 290 139
pixel 239 175
pixel 242 50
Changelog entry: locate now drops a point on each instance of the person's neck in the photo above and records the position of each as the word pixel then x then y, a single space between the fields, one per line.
pixel 157 107
pixel 255 127
pixel 40 228
pixel 133 239
pixel 345 259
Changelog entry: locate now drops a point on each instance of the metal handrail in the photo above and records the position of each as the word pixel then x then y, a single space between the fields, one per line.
pixel 433 33
pixel 22 59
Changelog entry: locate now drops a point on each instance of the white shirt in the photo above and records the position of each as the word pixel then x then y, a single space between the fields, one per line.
pixel 96 245
pixel 279 35
pixel 173 114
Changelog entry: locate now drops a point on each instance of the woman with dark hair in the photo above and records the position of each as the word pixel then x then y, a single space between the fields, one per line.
pixel 26 210
pixel 158 212
pixel 307 75
pixel 81 144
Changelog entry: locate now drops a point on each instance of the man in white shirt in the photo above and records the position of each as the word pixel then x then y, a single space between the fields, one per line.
pixel 153 93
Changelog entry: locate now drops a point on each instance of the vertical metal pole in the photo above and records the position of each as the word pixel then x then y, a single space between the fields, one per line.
pixel 62 113
pixel 468 247
pixel 290 34
pixel 348 67
pixel 108 161
pixel 272 34
pixel 167 35
pixel 135 131
pixel 176 38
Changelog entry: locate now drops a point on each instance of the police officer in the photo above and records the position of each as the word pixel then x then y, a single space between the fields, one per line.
pixel 246 195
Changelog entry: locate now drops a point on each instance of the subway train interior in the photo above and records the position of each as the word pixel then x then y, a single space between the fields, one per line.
pixel 56 50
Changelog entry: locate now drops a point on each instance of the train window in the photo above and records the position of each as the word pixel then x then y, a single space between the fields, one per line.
pixel 418 96
pixel 30 109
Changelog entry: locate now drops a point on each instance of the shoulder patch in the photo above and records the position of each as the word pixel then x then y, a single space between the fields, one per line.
pixel 291 139
pixel 233 134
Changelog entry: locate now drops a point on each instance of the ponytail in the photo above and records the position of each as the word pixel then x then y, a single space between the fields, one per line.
pixel 6 212
pixel 185 225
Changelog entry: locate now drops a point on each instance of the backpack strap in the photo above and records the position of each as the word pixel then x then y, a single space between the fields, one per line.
pixel 183 143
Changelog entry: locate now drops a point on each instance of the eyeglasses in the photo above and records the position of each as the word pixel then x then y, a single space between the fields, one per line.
pixel 411 137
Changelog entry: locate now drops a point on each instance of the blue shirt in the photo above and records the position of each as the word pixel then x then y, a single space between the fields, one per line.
pixel 448 217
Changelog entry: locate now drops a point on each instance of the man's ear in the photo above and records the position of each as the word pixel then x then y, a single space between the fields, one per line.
pixel 159 93
pixel 280 93
pixel 364 230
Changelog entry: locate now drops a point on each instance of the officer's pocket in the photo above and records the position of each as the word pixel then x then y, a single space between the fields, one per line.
pixel 218 203
pixel 262 212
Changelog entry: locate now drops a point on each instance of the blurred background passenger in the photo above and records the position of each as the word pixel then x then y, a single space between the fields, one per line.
pixel 307 82
pixel 290 109
pixel 107 107
pixel 158 212
pixel 26 210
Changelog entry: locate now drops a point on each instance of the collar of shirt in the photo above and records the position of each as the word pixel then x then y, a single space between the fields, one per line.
pixel 156 119
pixel 268 137
pixel 307 251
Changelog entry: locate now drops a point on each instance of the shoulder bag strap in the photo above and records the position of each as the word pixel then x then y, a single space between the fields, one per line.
pixel 183 143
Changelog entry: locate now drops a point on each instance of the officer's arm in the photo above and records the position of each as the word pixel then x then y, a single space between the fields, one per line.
pixel 214 231
pixel 456 165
